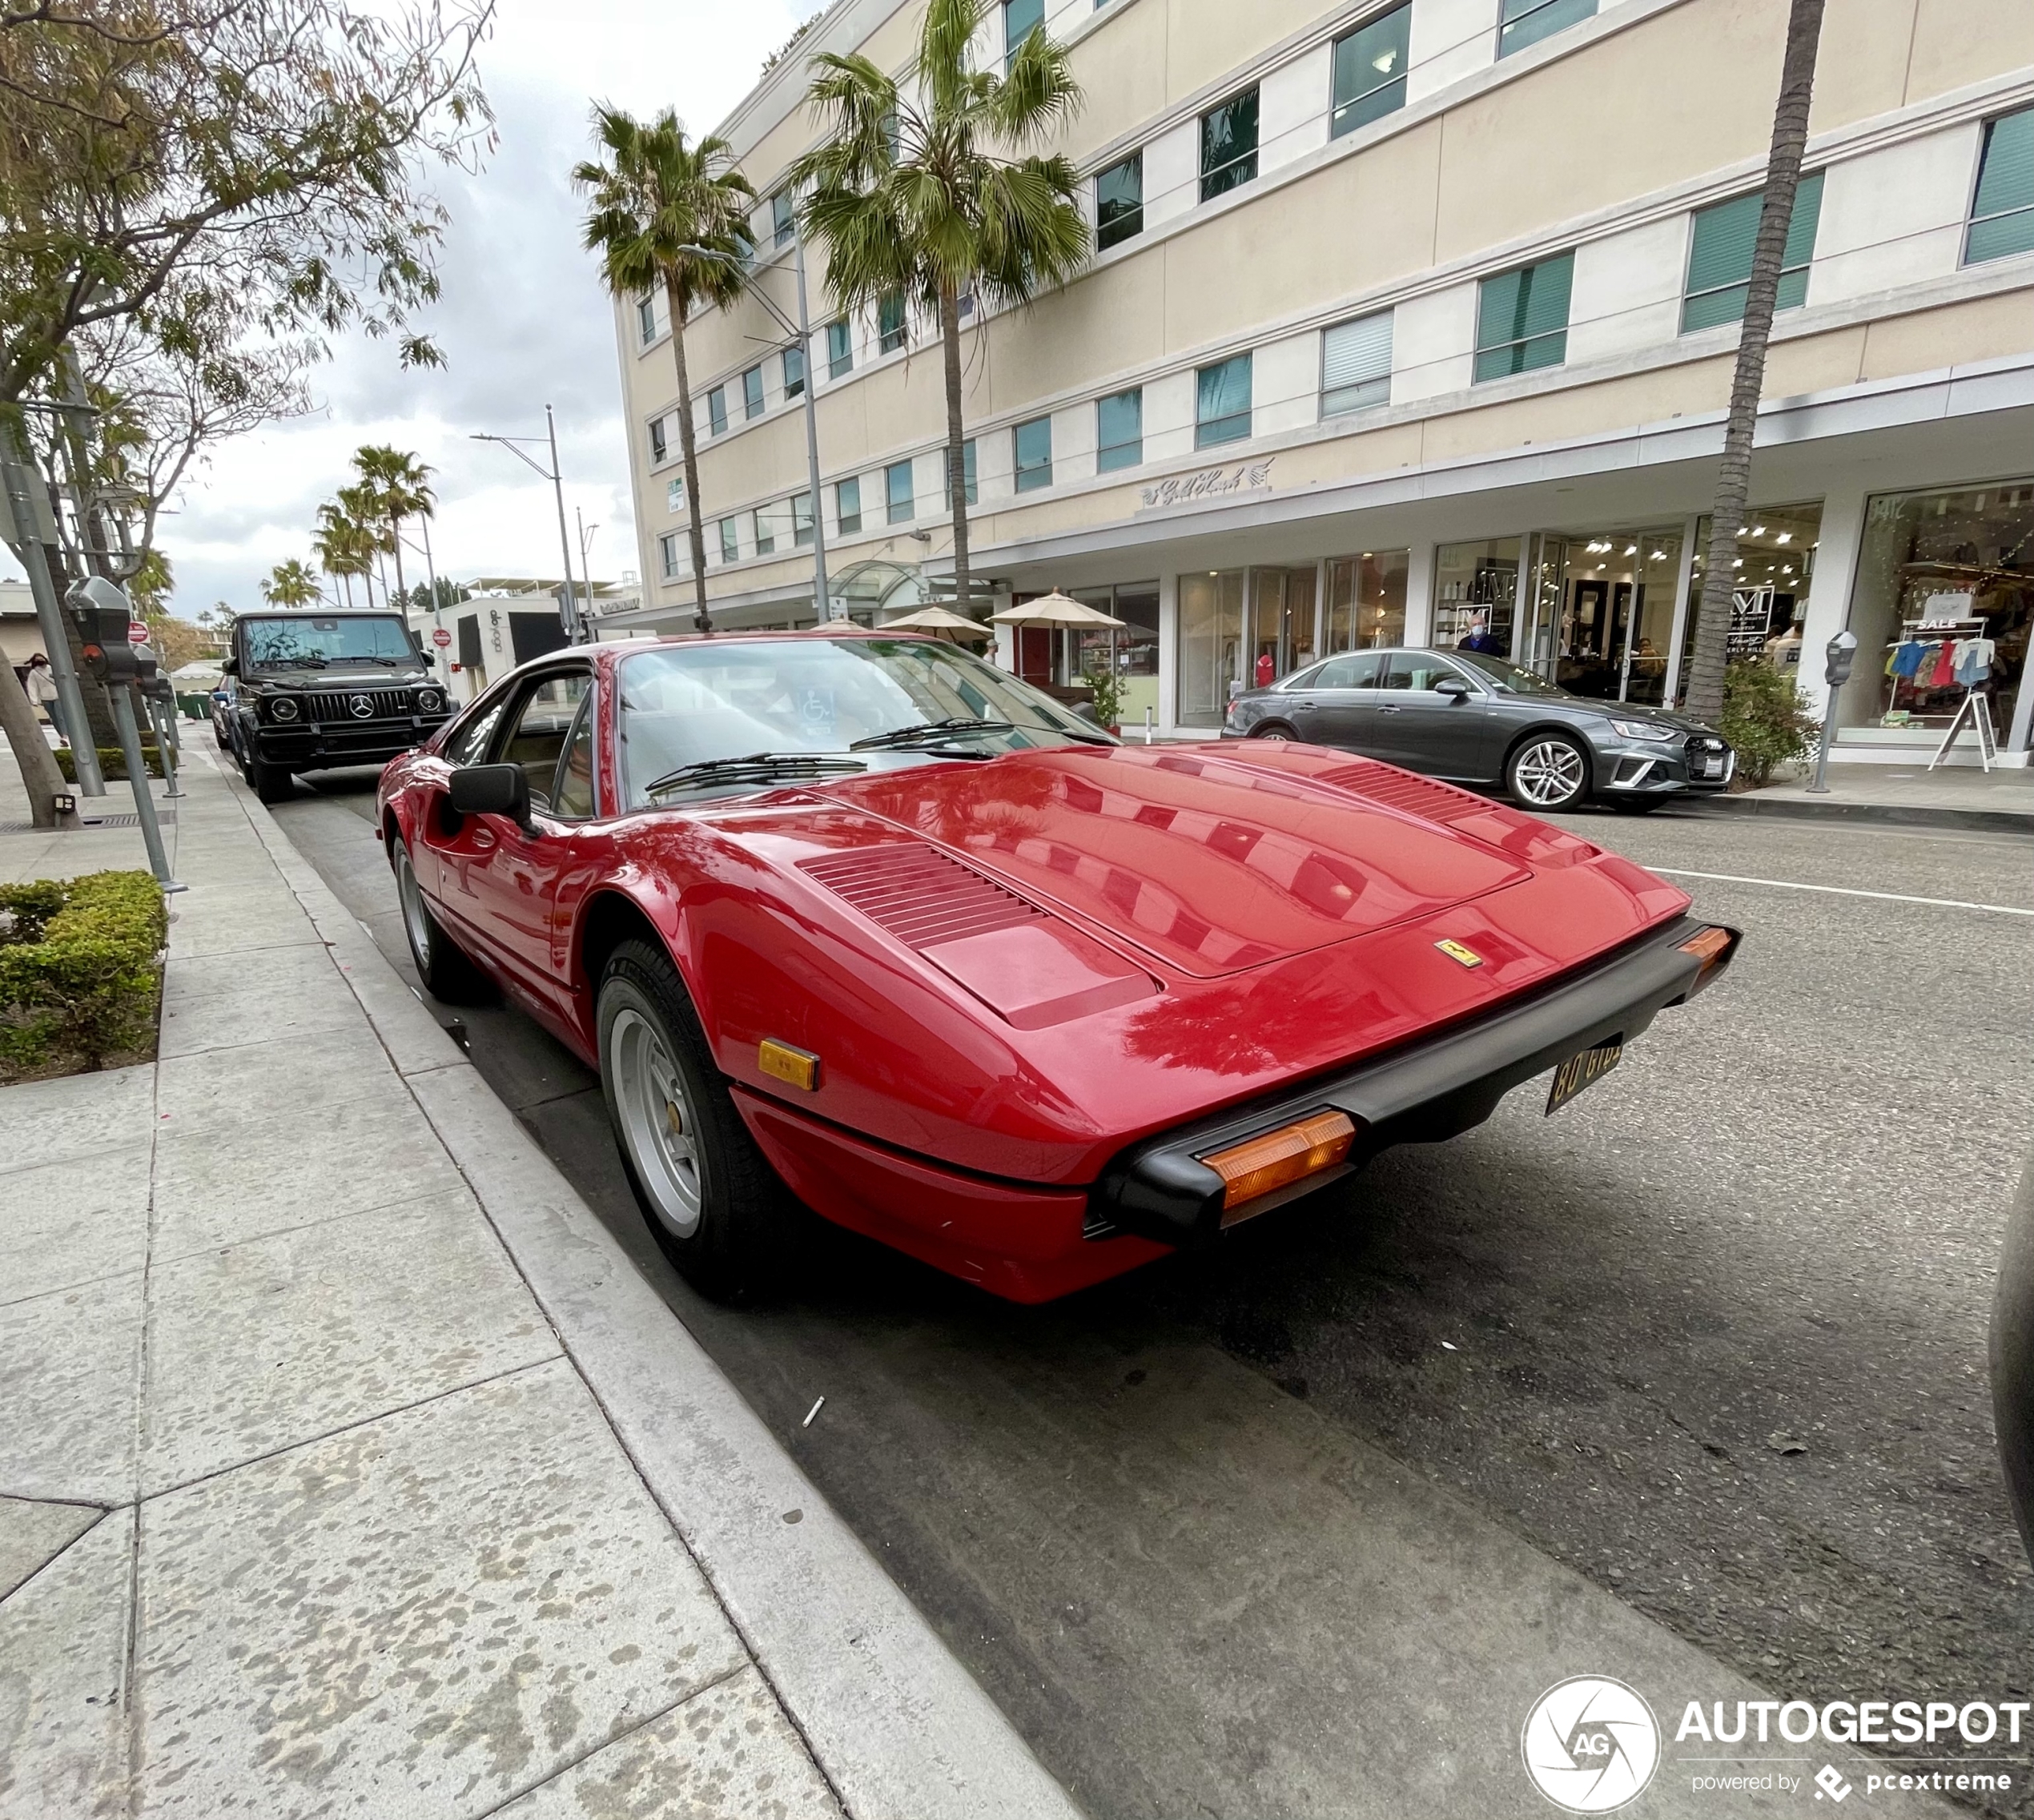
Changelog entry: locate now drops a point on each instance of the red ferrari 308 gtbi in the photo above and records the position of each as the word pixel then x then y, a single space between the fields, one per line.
pixel 867 914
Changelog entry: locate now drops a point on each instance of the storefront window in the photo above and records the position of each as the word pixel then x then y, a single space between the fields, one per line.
pixel 1769 595
pixel 1944 600
pixel 1475 595
pixel 1210 645
pixel 1366 601
pixel 1281 622
pixel 1134 646
pixel 1598 616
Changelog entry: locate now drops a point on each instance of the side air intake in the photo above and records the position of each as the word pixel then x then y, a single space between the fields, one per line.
pixel 918 894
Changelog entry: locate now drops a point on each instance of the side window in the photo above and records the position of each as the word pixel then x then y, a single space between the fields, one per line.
pixel 543 722
pixel 469 740
pixel 1368 670
pixel 574 798
pixel 1416 669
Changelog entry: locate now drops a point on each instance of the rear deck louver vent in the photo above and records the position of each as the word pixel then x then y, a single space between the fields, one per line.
pixel 918 894
pixel 1394 788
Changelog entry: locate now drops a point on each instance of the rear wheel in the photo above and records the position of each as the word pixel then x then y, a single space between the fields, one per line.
pixel 1548 771
pixel 447 970
pixel 1275 730
pixel 711 1200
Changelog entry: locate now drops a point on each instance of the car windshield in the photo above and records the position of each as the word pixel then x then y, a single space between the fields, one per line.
pixel 1506 676
pixel 685 704
pixel 305 638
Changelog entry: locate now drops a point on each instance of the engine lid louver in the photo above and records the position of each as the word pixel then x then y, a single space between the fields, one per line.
pixel 1393 788
pixel 918 893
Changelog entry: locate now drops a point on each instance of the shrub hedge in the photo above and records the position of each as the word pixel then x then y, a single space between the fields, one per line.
pixel 80 968
pixel 1764 718
pixel 112 762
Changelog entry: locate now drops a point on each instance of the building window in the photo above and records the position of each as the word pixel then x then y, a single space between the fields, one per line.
pixel 1222 403
pixel 781 229
pixel 646 319
pixel 840 349
pixel 765 531
pixel 730 541
pixel 1228 145
pixel 667 553
pixel 674 494
pixel 1366 604
pixel 1020 19
pixel 1033 444
pixel 1521 318
pixel 2002 210
pixel 1119 202
pixel 659 448
pixel 1527 21
pixel 1119 430
pixel 1370 71
pixel 793 372
pixel 967 475
pixel 800 518
pixel 899 497
pixel 890 323
pixel 752 395
pixel 847 504
pixel 716 411
pixel 1356 364
pixel 1719 256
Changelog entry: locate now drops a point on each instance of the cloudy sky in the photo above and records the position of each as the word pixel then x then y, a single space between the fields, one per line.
pixel 523 321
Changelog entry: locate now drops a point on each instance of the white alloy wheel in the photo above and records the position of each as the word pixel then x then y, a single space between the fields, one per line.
pixel 1548 772
pixel 659 1123
pixel 416 919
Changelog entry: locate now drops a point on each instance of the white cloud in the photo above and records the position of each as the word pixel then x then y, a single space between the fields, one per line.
pixel 523 321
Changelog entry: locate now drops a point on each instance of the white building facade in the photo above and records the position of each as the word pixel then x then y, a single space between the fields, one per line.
pixel 1413 321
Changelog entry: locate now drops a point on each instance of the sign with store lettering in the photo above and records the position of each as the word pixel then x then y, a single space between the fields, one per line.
pixel 1210 483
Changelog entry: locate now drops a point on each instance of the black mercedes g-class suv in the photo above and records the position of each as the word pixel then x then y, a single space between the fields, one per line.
pixel 312 690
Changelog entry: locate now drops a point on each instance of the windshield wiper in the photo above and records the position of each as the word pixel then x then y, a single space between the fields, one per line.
pixel 289 663
pixel 930 730
pixel 756 765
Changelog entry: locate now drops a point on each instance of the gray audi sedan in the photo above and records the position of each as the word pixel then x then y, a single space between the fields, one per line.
pixel 1475 719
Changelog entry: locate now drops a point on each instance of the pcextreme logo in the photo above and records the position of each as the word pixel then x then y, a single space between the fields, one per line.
pixel 1590 1744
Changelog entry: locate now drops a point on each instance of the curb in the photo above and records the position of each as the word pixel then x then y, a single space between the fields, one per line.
pixel 1884 814
pixel 894 1720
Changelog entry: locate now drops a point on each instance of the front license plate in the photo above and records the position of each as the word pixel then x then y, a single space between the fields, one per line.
pixel 1581 1072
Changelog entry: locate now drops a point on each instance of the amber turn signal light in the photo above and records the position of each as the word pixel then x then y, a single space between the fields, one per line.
pixel 1254 1167
pixel 1712 947
pixel 799 1066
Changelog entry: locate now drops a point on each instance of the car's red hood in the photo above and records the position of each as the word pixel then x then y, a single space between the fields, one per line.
pixel 1209 860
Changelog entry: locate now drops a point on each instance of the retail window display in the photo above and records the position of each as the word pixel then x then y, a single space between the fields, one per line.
pixel 1769 593
pixel 1943 606
pixel 1476 595
pixel 1366 601
pixel 1599 611
pixel 1210 638
pixel 1134 648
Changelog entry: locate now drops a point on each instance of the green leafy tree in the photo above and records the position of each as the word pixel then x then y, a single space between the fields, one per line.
pixel 1790 140
pixel 669 214
pixel 290 584
pixel 924 187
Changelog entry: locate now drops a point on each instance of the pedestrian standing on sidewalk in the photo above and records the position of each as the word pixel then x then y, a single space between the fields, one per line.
pixel 43 692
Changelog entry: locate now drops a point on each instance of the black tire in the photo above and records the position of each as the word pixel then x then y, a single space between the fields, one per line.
pixel 1635 805
pixel 712 1202
pixel 271 783
pixel 448 973
pixel 1547 772
pixel 1273 729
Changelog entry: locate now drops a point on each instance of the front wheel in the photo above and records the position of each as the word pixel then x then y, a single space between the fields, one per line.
pixel 270 782
pixel 711 1200
pixel 447 970
pixel 1635 805
pixel 1549 771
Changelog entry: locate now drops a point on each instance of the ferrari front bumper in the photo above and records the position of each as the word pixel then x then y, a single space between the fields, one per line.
pixel 1162 1189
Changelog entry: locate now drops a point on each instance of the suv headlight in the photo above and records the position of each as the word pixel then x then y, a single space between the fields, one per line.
pixel 1643 729
pixel 282 708
pixel 429 702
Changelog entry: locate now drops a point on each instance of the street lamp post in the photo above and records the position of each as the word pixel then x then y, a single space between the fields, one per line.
pixel 800 331
pixel 585 558
pixel 569 607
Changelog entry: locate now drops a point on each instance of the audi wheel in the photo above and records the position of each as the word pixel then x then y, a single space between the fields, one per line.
pixel 1549 771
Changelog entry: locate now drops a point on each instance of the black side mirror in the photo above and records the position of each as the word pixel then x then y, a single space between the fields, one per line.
pixel 229 666
pixel 490 789
pixel 1452 687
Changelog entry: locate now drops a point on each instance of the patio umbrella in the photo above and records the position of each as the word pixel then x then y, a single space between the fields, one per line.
pixel 1055 609
pixel 937 619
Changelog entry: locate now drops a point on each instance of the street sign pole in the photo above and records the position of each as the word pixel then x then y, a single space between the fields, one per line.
pixel 28 531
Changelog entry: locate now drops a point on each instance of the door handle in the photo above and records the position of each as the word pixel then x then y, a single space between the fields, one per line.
pixel 1389 707
pixel 483 840
pixel 1303 707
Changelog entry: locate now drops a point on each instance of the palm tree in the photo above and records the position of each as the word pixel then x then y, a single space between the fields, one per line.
pixel 362 504
pixel 1705 699
pixel 344 548
pixel 928 196
pixel 290 584
pixel 666 215
pixel 400 485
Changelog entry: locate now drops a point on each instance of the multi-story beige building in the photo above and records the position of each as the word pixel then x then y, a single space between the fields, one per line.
pixel 1413 322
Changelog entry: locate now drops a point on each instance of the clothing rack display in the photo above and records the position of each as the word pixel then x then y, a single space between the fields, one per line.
pixel 1945 653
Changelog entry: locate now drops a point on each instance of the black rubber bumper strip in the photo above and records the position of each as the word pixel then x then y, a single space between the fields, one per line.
pixel 1426 1091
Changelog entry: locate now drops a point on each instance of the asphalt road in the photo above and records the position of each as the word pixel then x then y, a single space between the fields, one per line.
pixel 1714 1337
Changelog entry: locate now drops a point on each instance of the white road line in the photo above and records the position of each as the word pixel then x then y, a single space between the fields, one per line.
pixel 1840 891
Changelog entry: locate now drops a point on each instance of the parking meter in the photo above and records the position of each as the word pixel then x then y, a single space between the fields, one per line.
pixel 1837 657
pixel 1841 653
pixel 103 615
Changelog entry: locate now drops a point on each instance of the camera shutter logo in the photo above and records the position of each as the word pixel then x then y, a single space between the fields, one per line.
pixel 362 706
pixel 1590 1744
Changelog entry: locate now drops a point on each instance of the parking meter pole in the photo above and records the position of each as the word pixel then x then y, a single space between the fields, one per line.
pixel 1820 786
pixel 123 718
pixel 19 518
pixel 166 744
pixel 2012 1356
pixel 1838 655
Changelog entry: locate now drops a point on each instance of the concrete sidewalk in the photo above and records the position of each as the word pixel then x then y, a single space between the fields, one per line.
pixel 1997 801
pixel 349 1468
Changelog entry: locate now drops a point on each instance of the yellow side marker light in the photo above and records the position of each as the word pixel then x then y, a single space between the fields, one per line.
pixel 799 1066
pixel 1258 1165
